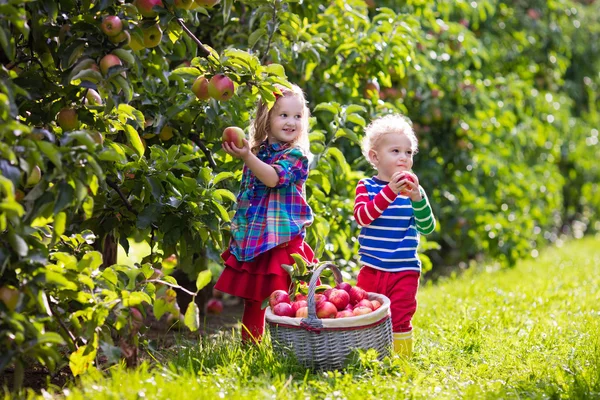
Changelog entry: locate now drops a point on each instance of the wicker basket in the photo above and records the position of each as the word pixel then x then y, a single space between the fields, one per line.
pixel 327 344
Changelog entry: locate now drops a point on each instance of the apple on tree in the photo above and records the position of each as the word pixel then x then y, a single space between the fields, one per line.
pixel 145 7
pixel 200 88
pixel 207 3
pixel 109 61
pixel 34 176
pixel 221 87
pixel 111 25
pixel 67 119
pixel 152 36
pixel 184 4
pixel 233 135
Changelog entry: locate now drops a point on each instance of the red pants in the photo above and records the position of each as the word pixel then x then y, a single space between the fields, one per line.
pixel 399 287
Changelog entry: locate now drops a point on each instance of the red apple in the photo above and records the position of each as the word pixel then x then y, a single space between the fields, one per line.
pixel 200 88
pixel 279 296
pixel 67 119
pixel 108 61
pixel 344 314
pixel 221 87
pixel 326 310
pixel 207 3
pixel 301 296
pixel 364 303
pixel 344 286
pixel 93 98
pixel 214 306
pixel 361 311
pixel 376 304
pixel 319 298
pixel 296 305
pixel 348 307
pixel 234 135
pixel 111 25
pixel 302 312
pixel 121 37
pixel 357 294
pixel 340 298
pixel 137 319
pixel 283 310
pixel 327 292
pixel 145 7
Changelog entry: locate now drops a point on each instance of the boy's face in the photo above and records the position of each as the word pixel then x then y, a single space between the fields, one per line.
pixel 393 153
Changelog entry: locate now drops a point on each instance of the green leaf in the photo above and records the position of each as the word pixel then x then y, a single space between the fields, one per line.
pixel 276 69
pixel 221 176
pixel 222 211
pixel 255 36
pixel 132 299
pixel 356 119
pixel 226 194
pixel 161 306
pixel 91 260
pixel 203 279
pixel 66 195
pixel 60 223
pixel 134 139
pixel 18 244
pixel 124 55
pixel 192 316
pixel 52 152
pixel 300 263
pixel 82 359
pixel 333 108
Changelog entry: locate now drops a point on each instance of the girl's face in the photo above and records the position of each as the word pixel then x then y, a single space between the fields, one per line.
pixel 285 120
pixel 393 153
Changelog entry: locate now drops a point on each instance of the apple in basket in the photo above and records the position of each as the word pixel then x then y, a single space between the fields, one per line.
pixel 278 296
pixel 301 296
pixel 340 298
pixel 364 303
pixel 357 294
pixel 344 314
pixel 283 310
pixel 319 298
pixel 344 286
pixel 361 310
pixel 326 310
pixel 302 312
pixel 296 305
pixel 376 304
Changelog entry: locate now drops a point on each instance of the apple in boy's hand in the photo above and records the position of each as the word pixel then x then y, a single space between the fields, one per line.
pixel 234 135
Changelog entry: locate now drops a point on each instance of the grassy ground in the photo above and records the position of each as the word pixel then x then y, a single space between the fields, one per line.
pixel 529 332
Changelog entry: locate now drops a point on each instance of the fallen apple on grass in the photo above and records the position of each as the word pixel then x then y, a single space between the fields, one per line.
pixel 214 306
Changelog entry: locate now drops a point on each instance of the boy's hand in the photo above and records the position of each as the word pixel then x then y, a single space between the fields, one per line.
pixel 235 151
pixel 396 183
pixel 407 185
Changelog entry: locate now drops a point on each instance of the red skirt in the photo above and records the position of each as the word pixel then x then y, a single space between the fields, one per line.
pixel 258 278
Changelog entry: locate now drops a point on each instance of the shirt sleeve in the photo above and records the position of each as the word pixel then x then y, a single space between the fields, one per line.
pixel 423 214
pixel 366 211
pixel 291 167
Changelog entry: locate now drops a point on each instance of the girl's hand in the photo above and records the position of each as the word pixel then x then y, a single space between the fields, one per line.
pixel 235 151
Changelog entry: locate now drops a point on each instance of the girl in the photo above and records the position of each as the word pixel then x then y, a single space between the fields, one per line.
pixel 272 213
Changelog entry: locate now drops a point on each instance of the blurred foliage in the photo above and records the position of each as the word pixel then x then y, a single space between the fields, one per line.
pixel 502 95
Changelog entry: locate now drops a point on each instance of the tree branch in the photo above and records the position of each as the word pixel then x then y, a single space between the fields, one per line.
pixel 117 189
pixel 205 52
pixel 274 21
pixel 198 142
pixel 63 326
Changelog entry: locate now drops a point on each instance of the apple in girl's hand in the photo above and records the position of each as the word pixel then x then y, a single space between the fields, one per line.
pixel 344 314
pixel 376 304
pixel 283 310
pixel 326 310
pixel 364 303
pixel 361 311
pixel 302 312
pixel 278 296
pixel 344 286
pixel 234 135
pixel 340 298
pixel 298 304
pixel 357 294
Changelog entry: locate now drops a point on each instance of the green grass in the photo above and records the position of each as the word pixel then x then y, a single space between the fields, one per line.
pixel 529 332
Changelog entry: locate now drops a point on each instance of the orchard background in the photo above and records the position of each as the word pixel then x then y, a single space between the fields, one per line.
pixel 97 152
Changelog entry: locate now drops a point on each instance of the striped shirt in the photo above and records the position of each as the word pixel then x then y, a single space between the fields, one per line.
pixel 267 217
pixel 391 226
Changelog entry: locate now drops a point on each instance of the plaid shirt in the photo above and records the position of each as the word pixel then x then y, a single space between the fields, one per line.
pixel 268 217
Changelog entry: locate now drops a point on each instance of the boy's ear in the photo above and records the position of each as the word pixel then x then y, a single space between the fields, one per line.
pixel 373 157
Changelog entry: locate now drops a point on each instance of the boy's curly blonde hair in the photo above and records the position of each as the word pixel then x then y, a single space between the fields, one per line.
pixel 391 123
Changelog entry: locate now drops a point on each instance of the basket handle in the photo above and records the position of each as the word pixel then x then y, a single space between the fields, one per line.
pixel 312 320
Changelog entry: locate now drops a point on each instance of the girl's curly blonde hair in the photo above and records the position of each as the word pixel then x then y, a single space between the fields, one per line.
pixel 260 127
pixel 391 123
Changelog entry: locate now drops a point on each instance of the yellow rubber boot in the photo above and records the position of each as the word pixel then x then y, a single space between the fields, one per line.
pixel 403 344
